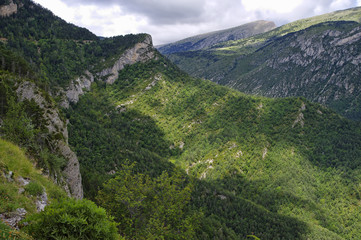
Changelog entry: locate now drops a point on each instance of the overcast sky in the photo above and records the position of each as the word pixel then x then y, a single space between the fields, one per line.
pixel 171 20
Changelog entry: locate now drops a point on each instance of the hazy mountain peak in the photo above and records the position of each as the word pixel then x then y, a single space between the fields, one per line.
pixel 207 40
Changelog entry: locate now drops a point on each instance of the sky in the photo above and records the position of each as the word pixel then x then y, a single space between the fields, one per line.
pixel 172 20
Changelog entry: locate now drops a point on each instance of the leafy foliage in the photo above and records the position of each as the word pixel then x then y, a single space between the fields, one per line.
pixel 302 58
pixel 34 188
pixel 55 50
pixel 150 209
pixel 261 166
pixel 257 167
pixel 13 159
pixel 23 123
pixel 72 219
pixel 34 22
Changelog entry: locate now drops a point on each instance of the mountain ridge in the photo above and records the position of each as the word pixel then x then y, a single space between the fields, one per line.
pixel 207 40
pixel 241 64
pixel 250 166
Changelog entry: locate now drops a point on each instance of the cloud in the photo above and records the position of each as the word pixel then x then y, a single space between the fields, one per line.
pixel 156 11
pixel 171 20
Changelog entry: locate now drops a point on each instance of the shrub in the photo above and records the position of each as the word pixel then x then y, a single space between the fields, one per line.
pixel 34 188
pixel 72 219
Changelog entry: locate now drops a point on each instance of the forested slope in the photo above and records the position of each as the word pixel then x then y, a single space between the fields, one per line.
pixel 317 58
pixel 278 168
pixel 171 156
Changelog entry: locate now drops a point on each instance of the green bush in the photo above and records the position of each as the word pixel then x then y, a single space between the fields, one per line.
pixel 34 188
pixel 72 219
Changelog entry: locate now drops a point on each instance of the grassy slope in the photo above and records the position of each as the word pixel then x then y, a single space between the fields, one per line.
pixel 12 158
pixel 261 170
pixel 352 14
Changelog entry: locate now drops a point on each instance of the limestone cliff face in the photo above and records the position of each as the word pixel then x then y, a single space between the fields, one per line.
pixel 55 125
pixel 321 63
pixel 140 52
pixel 77 88
pixel 7 10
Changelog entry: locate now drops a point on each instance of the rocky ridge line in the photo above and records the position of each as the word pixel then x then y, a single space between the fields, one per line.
pixel 141 52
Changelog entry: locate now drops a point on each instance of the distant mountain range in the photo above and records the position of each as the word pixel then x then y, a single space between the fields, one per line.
pixel 207 40
pixel 318 58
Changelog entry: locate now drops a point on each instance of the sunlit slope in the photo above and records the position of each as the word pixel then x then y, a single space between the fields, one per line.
pixel 280 168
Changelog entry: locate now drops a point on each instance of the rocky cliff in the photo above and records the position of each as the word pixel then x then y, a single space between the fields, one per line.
pixel 317 58
pixel 321 63
pixel 57 127
pixel 7 10
pixel 140 52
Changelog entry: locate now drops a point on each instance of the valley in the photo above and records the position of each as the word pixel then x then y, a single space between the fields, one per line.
pixel 127 145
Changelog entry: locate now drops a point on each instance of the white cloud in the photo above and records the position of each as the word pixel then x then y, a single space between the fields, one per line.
pixel 279 6
pixel 171 20
pixel 59 8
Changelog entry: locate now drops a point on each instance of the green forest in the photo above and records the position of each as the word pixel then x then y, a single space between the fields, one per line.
pixel 163 155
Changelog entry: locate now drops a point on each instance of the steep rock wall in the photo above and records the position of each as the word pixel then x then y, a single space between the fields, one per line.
pixel 9 9
pixel 55 125
pixel 140 52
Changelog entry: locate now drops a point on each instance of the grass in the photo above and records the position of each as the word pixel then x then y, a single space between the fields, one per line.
pixel 13 159
pixel 8 233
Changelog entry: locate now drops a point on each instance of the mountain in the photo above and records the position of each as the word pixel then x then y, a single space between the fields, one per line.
pixel 170 156
pixel 280 168
pixel 317 58
pixel 207 40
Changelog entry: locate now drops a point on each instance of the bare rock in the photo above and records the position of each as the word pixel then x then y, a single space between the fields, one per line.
pixel 9 9
pixel 72 170
pixel 78 86
pixel 141 52
pixel 9 176
pixel 23 181
pixel 41 202
pixel 55 125
pixel 13 218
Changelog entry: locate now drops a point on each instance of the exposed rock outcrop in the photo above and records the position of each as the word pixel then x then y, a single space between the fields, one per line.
pixel 7 10
pixel 42 201
pixel 321 63
pixel 13 218
pixel 29 91
pixel 140 52
pixel 55 125
pixel 72 170
pixel 77 87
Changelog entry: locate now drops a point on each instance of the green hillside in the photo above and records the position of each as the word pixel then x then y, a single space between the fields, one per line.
pixel 316 58
pixel 206 40
pixel 278 168
pixel 14 167
pixel 168 156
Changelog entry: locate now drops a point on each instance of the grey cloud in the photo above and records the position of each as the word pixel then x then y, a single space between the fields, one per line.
pixel 171 20
pixel 156 11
